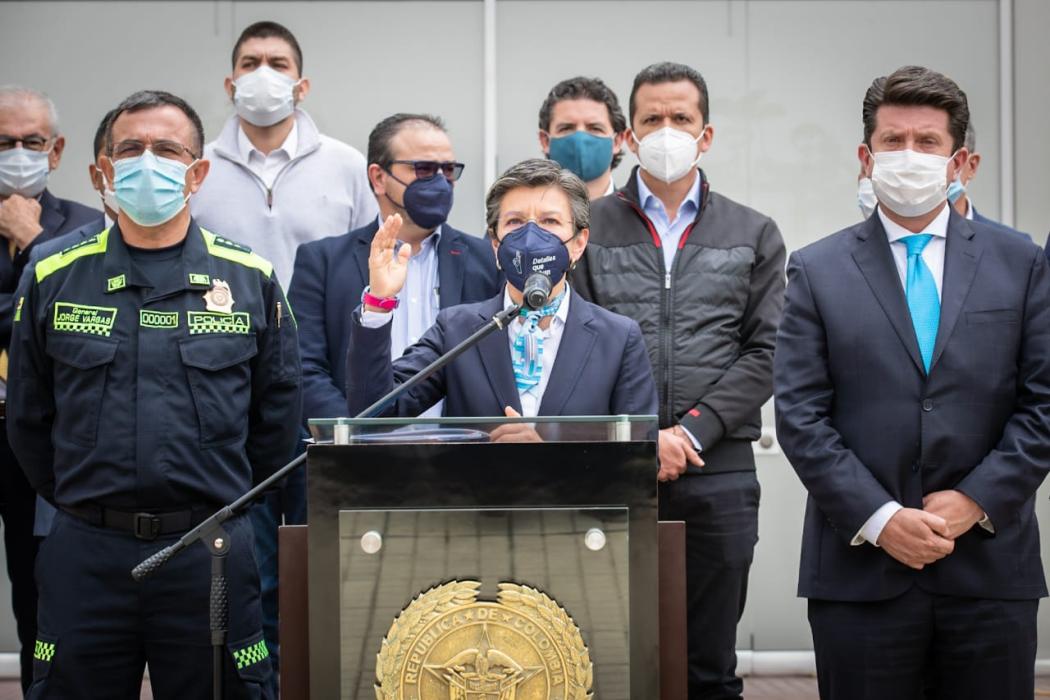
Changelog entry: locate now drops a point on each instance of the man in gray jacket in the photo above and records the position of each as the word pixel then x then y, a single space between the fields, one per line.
pixel 275 183
pixel 704 278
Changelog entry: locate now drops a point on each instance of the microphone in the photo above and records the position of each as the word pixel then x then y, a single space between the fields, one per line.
pixel 537 291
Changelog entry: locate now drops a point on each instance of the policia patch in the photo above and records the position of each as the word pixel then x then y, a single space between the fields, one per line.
pixel 80 318
pixel 216 322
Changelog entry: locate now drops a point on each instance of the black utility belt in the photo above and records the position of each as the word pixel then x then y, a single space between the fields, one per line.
pixel 144 526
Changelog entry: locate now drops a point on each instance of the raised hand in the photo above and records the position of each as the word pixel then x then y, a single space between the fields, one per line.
pixel 387 263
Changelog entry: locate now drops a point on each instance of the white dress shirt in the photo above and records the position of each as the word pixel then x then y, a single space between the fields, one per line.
pixel 267 166
pixel 531 399
pixel 933 256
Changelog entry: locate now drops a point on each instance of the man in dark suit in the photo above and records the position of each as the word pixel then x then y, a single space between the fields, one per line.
pixel 447 266
pixel 913 400
pixel 569 358
pixel 958 190
pixel 30 148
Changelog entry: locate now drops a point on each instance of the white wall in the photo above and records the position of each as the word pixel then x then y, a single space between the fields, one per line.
pixel 786 79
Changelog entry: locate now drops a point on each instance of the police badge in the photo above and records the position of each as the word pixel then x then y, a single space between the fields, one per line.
pixel 218 298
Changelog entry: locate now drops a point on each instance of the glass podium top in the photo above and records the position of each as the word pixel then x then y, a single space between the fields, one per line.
pixel 347 431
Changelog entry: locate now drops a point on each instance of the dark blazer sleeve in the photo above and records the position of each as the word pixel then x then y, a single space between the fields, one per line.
pixel 1010 474
pixel 370 374
pixel 322 396
pixel 30 393
pixel 748 383
pixel 840 484
pixel 635 392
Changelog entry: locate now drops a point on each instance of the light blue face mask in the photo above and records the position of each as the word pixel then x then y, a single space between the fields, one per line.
pixel 586 155
pixel 150 189
pixel 956 190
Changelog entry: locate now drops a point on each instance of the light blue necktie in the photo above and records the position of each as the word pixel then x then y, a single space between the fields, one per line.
pixel 528 346
pixel 923 302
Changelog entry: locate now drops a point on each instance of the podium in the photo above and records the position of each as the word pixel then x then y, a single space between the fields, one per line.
pixel 441 564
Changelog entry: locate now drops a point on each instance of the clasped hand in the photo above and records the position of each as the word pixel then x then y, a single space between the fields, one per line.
pixel 919 537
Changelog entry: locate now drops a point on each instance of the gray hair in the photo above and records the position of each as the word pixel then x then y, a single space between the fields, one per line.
pixel 539 172
pixel 970 141
pixel 11 95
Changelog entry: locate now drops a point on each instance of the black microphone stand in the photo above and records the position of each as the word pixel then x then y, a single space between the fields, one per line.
pixel 218 541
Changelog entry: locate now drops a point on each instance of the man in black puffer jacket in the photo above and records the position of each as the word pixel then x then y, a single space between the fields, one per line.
pixel 704 278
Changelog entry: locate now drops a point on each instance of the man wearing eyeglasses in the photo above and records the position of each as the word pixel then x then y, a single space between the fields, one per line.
pixel 154 377
pixel 412 169
pixel 30 148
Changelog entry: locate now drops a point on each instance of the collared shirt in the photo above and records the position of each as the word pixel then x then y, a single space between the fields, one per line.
pixel 533 397
pixel 969 209
pixel 670 232
pixel 267 166
pixel 932 254
pixel 419 306
pixel 612 187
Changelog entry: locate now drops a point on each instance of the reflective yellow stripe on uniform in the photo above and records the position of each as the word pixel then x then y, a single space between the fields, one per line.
pixel 53 263
pixel 228 250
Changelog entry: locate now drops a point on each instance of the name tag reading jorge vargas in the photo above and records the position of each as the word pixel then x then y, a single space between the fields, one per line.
pixel 81 318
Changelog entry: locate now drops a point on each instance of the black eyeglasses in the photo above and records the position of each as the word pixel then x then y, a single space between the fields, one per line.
pixel 30 143
pixel 162 149
pixel 429 168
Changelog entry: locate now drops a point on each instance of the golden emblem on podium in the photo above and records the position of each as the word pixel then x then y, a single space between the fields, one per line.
pixel 448 645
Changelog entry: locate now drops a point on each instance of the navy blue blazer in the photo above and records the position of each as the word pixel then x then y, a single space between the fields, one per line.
pixel 863 424
pixel 326 285
pixel 57 217
pixel 601 369
pixel 1002 228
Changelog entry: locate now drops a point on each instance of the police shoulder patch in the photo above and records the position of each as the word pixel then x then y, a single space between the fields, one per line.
pixel 89 246
pixel 235 252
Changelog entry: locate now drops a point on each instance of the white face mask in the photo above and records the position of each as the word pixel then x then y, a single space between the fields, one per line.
pixel 668 154
pixel 909 183
pixel 264 96
pixel 23 172
pixel 109 199
pixel 866 197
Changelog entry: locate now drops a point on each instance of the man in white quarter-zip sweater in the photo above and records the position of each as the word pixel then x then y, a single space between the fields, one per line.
pixel 277 182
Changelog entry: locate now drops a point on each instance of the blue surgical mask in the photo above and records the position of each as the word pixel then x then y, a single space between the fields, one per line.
pixel 586 155
pixel 530 249
pixel 956 190
pixel 427 202
pixel 150 190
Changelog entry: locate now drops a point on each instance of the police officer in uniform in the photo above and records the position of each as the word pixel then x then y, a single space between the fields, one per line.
pixel 154 376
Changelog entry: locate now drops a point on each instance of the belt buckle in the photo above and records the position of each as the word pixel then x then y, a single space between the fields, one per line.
pixel 147 526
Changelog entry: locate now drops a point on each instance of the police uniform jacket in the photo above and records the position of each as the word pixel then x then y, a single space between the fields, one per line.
pixel 127 396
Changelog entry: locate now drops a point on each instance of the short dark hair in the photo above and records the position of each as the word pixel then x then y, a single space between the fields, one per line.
pixel 100 132
pixel 667 72
pixel 920 87
pixel 384 132
pixel 581 88
pixel 539 172
pixel 152 99
pixel 265 30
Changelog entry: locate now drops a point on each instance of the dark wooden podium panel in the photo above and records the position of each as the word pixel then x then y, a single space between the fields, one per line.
pixel 293 599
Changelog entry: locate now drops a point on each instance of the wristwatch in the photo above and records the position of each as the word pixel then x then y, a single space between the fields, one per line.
pixel 386 304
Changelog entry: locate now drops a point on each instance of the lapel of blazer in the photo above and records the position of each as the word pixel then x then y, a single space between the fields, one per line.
pixel 450 252
pixel 51 217
pixel 961 253
pixel 574 352
pixel 362 248
pixel 495 358
pixel 873 257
